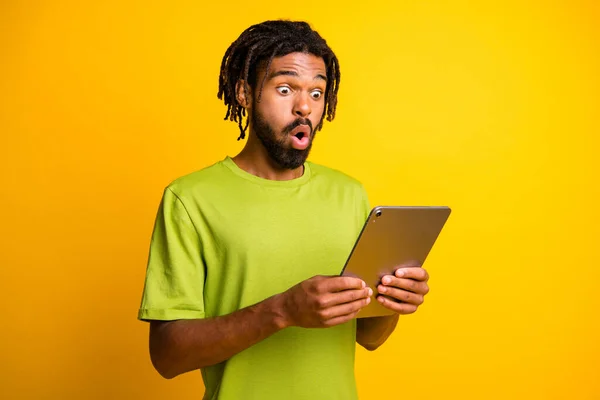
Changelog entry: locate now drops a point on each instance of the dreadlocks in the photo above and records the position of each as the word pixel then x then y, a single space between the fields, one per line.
pixel 262 42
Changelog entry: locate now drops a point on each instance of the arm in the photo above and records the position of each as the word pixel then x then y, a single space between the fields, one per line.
pixel 373 332
pixel 319 302
pixel 185 345
pixel 404 293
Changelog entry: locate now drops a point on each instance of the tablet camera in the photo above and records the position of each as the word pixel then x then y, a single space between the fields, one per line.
pixel 378 213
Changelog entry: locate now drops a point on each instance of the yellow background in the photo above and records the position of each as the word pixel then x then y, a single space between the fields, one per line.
pixel 488 107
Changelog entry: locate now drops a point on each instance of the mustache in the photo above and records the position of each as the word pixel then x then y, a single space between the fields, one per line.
pixel 298 122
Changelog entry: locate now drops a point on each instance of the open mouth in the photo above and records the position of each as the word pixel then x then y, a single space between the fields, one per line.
pixel 300 137
pixel 301 131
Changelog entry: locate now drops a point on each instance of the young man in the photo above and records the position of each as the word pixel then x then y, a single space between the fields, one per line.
pixel 242 279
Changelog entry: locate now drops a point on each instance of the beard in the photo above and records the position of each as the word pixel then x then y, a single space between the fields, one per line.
pixel 278 149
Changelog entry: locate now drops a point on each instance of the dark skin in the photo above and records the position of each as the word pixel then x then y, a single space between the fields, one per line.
pixel 402 293
pixel 294 89
pixel 319 302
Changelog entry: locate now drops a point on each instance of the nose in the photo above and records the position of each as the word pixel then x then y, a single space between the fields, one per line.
pixel 302 106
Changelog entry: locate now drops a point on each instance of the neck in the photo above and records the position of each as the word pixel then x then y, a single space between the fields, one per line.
pixel 255 160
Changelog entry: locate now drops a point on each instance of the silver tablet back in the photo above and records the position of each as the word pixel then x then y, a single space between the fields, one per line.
pixel 392 236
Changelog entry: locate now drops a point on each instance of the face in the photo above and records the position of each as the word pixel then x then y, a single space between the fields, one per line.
pixel 291 106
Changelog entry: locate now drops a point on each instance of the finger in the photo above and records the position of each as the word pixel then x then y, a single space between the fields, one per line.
pixel 401 295
pixel 340 320
pixel 417 273
pixel 407 284
pixel 339 283
pixel 400 308
pixel 344 309
pixel 345 296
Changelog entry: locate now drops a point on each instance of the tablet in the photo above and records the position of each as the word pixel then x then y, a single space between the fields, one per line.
pixel 392 236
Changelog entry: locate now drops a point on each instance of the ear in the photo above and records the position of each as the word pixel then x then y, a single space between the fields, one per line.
pixel 243 97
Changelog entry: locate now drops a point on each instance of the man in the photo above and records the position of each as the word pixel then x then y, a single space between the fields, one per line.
pixel 242 279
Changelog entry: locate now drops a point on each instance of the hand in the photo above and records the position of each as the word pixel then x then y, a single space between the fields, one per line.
pixel 404 291
pixel 323 301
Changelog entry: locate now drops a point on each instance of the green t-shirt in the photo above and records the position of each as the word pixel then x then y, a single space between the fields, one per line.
pixel 225 239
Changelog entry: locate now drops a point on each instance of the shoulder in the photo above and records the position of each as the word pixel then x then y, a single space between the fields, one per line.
pixel 198 180
pixel 333 176
pixel 339 185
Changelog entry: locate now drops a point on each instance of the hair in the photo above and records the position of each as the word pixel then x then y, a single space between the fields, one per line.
pixel 256 47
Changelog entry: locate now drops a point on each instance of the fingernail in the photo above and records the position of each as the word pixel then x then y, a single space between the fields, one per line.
pixel 368 300
pixel 382 289
pixel 363 284
pixel 399 273
pixel 370 292
pixel 380 299
pixel 386 280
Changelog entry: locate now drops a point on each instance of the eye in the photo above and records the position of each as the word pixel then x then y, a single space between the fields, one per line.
pixel 316 94
pixel 284 90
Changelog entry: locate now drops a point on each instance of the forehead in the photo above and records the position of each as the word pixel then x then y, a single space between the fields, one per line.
pixel 304 64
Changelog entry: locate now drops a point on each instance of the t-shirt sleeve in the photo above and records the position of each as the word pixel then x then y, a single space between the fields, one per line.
pixel 174 285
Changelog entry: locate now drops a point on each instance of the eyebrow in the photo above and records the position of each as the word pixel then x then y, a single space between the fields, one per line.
pixel 294 74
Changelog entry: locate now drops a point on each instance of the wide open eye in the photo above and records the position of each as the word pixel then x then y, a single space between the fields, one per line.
pixel 316 94
pixel 284 90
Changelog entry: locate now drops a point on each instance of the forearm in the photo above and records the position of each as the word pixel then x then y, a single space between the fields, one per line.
pixel 185 345
pixel 373 332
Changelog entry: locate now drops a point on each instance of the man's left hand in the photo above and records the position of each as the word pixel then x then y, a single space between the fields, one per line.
pixel 404 291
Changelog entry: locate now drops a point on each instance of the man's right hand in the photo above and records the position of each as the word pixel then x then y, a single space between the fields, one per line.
pixel 325 301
